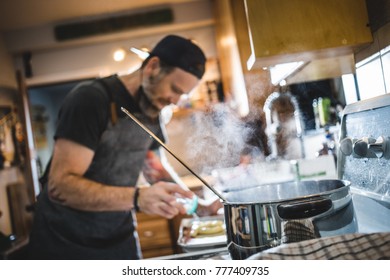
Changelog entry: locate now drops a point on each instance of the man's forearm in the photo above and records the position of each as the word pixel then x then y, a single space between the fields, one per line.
pixel 83 194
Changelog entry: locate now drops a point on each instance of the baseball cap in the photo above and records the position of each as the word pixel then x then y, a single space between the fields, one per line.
pixel 182 53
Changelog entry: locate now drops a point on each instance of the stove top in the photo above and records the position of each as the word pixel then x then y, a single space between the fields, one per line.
pixel 364 160
pixel 364 153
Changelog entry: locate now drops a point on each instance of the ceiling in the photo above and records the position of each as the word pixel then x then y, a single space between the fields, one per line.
pixel 22 14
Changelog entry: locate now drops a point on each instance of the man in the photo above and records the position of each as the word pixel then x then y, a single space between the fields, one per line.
pixel 86 207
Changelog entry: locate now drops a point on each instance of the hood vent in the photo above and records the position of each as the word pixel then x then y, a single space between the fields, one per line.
pixel 114 24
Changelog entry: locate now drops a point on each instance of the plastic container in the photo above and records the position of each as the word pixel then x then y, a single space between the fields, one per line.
pixel 324 110
pixel 190 204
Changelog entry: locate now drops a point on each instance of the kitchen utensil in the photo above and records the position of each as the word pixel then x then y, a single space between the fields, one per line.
pixel 190 204
pixel 174 155
pixel 260 218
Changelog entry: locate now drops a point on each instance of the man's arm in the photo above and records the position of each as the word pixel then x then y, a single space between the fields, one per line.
pixel 67 186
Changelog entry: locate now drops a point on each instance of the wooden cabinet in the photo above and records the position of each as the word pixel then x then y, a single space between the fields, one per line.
pixel 229 56
pixel 158 236
pixel 7 70
pixel 285 31
pixel 155 235
pixel 248 87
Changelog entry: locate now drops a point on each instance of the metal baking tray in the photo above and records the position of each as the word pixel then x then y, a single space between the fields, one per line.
pixel 201 242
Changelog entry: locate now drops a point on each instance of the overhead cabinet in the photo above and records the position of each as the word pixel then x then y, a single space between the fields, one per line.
pixel 304 30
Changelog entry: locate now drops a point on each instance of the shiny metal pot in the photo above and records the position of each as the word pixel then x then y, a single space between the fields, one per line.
pixel 269 215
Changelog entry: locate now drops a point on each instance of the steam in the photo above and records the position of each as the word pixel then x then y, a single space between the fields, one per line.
pixel 218 139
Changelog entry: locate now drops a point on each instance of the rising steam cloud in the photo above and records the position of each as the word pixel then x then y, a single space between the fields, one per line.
pixel 218 139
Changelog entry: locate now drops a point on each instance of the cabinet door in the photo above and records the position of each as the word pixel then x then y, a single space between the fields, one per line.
pixel 154 235
pixel 285 31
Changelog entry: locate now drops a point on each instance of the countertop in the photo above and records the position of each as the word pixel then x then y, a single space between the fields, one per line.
pixel 218 253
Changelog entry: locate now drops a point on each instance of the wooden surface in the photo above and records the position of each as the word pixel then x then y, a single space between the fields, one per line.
pixel 21 219
pixel 324 68
pixel 229 56
pixel 285 31
pixel 155 235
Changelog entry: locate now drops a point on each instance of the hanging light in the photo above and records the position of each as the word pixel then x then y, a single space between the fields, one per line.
pixel 119 54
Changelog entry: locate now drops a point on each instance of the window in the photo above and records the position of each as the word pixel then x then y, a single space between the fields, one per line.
pixel 372 76
pixel 385 53
pixel 349 86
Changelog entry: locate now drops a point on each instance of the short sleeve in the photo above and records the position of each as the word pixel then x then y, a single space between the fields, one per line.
pixel 83 116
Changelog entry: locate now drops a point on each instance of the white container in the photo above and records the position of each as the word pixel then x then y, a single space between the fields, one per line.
pixel 190 204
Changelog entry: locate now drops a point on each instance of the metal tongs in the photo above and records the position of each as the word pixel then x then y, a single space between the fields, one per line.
pixel 169 151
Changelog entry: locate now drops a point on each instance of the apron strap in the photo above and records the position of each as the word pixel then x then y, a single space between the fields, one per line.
pixel 114 115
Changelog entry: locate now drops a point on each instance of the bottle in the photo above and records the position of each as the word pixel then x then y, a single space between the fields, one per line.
pixel 9 147
pixel 331 143
pixel 190 204
pixel 323 110
pixel 316 114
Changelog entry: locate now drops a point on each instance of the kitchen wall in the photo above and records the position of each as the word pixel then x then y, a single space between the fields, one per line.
pixel 7 70
pixel 54 64
pixel 9 174
pixel 12 174
pixel 373 65
pixel 373 60
pixel 45 102
pixel 53 61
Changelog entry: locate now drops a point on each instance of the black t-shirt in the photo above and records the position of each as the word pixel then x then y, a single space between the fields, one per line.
pixel 86 110
pixel 84 115
pixel 85 118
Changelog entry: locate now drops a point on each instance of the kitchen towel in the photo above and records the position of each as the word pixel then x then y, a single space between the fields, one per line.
pixel 356 246
pixel 297 230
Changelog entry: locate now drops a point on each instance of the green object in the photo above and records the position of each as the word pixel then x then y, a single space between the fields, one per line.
pixel 190 204
pixel 324 110
pixel 193 206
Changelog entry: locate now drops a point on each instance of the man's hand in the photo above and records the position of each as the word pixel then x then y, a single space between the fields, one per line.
pixel 160 199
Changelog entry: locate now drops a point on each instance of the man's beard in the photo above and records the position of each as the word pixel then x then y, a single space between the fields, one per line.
pixel 144 102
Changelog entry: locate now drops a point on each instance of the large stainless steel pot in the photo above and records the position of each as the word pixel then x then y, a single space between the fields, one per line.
pixel 268 215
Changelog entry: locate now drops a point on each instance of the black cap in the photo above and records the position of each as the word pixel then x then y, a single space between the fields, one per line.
pixel 182 53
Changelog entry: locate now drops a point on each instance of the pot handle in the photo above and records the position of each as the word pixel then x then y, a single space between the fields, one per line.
pixel 304 208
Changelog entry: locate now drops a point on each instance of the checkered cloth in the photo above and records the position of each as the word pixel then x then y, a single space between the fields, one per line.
pixel 356 246
pixel 297 230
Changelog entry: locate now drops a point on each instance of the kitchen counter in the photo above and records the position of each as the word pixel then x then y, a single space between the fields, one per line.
pixel 217 253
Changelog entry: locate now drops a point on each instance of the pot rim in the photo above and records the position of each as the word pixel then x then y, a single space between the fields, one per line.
pixel 346 185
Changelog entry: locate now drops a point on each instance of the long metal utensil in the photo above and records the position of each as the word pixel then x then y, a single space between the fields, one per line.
pixel 166 148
